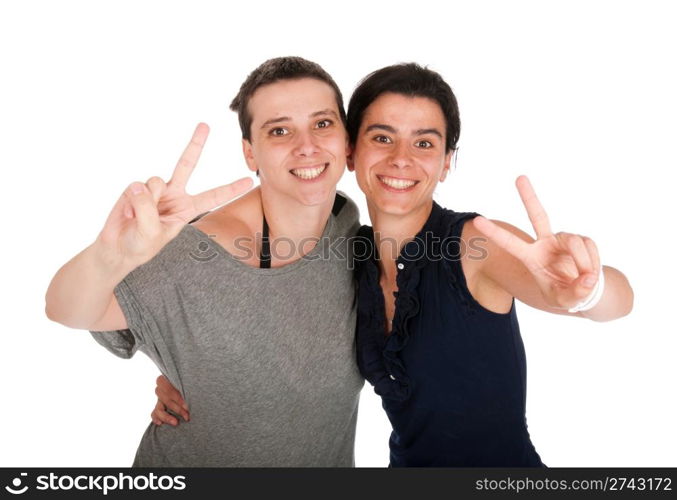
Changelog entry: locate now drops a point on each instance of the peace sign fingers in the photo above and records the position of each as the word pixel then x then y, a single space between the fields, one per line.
pixel 503 238
pixel 186 164
pixel 221 195
pixel 537 215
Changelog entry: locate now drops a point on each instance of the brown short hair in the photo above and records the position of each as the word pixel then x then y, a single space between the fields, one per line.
pixel 408 79
pixel 274 70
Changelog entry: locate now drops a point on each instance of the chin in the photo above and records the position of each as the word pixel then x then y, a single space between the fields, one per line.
pixel 392 207
pixel 318 196
pixel 316 193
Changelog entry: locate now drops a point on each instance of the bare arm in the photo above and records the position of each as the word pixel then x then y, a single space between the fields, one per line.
pixel 81 292
pixel 617 300
pixel 555 271
pixel 513 276
pixel 144 219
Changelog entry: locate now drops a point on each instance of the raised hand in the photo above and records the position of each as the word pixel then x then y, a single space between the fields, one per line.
pixel 147 216
pixel 565 266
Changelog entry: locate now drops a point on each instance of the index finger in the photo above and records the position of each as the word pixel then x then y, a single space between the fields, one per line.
pixel 537 216
pixel 186 164
pixel 503 238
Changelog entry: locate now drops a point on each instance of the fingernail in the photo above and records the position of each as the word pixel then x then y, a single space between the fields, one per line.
pixel 590 281
pixel 137 188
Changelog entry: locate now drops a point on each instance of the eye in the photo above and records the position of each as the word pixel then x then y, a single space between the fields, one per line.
pixel 278 132
pixel 383 139
pixel 424 144
pixel 324 123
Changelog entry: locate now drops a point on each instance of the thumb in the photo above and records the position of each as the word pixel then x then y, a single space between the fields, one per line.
pixel 585 284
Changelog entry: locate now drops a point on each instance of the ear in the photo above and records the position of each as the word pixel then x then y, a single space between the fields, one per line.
pixel 248 153
pixel 349 157
pixel 447 164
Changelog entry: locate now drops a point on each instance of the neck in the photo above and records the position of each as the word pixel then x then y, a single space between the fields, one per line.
pixel 294 222
pixel 392 232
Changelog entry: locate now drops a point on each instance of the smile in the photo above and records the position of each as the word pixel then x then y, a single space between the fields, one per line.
pixel 309 173
pixel 397 184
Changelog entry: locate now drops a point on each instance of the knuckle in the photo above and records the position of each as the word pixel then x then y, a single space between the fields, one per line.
pixel 129 191
pixel 576 240
pixel 155 180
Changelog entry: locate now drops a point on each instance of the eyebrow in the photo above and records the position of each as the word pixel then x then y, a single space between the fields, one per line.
pixel 325 112
pixel 312 115
pixel 276 120
pixel 424 131
pixel 388 128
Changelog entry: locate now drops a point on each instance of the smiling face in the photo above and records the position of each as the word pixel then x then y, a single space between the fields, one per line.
pixel 399 154
pixel 298 142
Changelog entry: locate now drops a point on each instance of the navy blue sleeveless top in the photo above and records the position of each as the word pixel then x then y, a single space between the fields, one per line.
pixel 452 374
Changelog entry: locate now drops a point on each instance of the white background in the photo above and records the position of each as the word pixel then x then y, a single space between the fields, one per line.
pixel 580 96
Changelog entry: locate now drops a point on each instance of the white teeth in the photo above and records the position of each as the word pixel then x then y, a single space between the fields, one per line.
pixel 396 183
pixel 308 173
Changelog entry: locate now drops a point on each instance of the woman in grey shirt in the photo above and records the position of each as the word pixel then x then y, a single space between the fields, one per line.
pixel 261 344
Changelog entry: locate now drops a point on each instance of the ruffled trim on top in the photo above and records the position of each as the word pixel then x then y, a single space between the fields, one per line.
pixel 407 301
pixel 371 337
pixel 388 375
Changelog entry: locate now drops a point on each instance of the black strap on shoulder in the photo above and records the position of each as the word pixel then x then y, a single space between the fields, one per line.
pixel 198 217
pixel 265 246
pixel 339 201
pixel 264 258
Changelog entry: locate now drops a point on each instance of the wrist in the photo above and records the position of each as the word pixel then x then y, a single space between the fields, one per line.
pixel 594 297
pixel 109 261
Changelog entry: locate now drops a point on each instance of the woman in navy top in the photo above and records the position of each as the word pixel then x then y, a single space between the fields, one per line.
pixel 437 333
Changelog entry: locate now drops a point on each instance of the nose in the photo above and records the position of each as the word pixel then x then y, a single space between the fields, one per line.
pixel 305 144
pixel 400 156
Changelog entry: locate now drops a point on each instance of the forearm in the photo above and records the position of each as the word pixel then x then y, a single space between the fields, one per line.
pixel 82 289
pixel 617 299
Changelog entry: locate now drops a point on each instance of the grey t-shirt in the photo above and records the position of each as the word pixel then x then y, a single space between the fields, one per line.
pixel 265 358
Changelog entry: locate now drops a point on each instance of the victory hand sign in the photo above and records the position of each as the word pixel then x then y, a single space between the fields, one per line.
pixel 565 266
pixel 147 216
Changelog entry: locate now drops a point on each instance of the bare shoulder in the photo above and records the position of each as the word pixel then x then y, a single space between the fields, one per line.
pixel 476 255
pixel 233 226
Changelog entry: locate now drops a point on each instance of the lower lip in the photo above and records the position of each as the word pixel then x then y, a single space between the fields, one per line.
pixel 395 190
pixel 314 179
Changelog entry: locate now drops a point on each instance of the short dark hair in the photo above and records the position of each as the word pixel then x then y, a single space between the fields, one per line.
pixel 409 79
pixel 274 70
